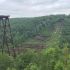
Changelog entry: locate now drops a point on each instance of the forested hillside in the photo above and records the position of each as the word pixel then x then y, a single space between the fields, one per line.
pixel 41 43
pixel 41 30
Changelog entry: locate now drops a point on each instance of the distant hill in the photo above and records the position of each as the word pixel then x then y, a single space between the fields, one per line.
pixel 41 30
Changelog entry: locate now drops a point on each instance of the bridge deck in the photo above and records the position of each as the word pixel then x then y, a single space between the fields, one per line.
pixel 3 16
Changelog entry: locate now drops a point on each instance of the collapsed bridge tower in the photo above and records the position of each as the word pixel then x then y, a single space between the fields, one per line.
pixel 6 39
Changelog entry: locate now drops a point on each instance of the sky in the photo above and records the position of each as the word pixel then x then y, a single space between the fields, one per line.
pixel 34 8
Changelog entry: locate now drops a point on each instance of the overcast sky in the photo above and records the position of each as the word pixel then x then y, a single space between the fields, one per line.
pixel 33 8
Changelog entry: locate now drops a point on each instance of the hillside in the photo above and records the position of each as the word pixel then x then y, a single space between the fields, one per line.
pixel 40 43
pixel 44 30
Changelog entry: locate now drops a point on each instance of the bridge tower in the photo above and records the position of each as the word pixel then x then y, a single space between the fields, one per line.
pixel 6 39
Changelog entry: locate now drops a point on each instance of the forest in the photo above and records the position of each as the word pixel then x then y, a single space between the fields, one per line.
pixel 41 43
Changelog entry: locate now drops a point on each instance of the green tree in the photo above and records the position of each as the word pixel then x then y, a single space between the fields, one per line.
pixel 24 59
pixel 5 61
pixel 59 66
pixel 32 66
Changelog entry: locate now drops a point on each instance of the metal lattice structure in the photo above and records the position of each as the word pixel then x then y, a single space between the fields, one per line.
pixel 6 39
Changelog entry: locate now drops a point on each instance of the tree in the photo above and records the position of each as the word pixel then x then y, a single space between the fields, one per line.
pixel 32 67
pixel 59 66
pixel 5 61
pixel 24 59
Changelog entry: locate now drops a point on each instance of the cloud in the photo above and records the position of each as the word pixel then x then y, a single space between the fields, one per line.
pixel 33 8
